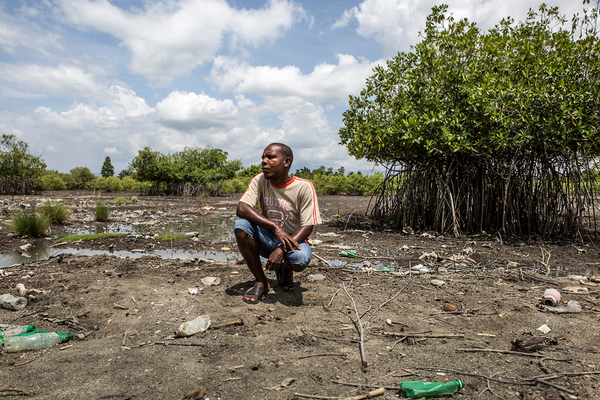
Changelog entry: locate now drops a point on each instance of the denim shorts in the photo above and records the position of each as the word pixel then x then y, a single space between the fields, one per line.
pixel 267 242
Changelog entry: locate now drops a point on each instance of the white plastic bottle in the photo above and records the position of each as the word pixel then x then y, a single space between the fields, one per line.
pixel 190 328
pixel 12 302
pixel 35 340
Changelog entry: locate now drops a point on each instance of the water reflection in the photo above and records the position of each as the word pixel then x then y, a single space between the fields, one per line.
pixel 43 251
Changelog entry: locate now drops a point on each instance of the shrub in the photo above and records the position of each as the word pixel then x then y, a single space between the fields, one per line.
pixel 51 182
pixel 55 212
pixel 101 211
pixel 122 200
pixel 29 223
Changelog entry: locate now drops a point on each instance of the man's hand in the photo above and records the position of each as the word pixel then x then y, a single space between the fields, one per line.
pixel 275 259
pixel 287 241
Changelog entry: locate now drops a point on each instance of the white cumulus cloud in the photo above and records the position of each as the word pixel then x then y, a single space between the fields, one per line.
pixel 395 23
pixel 170 38
pixel 191 111
pixel 327 82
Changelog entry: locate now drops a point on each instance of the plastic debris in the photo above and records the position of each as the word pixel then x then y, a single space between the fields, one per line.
pixel 544 328
pixel 211 281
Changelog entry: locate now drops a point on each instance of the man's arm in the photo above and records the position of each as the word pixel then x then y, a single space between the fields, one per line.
pixel 288 241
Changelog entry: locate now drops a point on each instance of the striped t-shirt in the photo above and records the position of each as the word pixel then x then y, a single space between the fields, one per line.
pixel 291 206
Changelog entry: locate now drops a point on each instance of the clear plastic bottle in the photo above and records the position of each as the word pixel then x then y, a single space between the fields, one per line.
pixel 430 389
pixel 35 340
pixel 12 302
pixel 572 306
pixel 190 328
pixel 7 331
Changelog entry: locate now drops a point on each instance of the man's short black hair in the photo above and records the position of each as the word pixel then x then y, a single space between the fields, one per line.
pixel 285 150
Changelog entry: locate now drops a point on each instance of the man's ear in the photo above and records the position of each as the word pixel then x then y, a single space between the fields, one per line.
pixel 287 162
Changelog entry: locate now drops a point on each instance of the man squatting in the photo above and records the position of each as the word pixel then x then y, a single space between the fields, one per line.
pixel 288 212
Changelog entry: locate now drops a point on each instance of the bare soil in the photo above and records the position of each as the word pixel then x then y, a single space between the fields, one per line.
pixel 125 311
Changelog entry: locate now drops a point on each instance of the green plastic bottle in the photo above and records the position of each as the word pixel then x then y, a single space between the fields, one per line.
pixel 7 331
pixel 430 389
pixel 35 340
pixel 350 254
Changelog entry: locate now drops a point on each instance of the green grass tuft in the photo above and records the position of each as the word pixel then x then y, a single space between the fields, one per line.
pixel 122 200
pixel 172 236
pixel 101 211
pixel 91 236
pixel 57 213
pixel 29 223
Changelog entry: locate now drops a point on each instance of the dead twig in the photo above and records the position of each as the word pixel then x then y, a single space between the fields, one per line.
pixel 323 355
pixel 374 393
pixel 540 380
pixel 180 344
pixel 322 259
pixel 33 359
pixel 516 353
pixel 365 385
pixel 491 378
pixel 361 331
pixel 225 325
pixel 424 335
pixel 350 216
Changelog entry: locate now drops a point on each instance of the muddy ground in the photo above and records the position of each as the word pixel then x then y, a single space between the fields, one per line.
pixel 125 310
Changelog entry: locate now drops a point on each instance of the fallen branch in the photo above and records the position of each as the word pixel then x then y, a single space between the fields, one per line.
pixel 540 380
pixel 180 344
pixel 425 335
pixel 516 353
pixel 365 385
pixel 225 325
pixel 491 378
pixel 361 331
pixel 322 259
pixel 374 393
pixel 322 355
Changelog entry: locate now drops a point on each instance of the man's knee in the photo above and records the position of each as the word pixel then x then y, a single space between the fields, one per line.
pixel 243 228
pixel 300 257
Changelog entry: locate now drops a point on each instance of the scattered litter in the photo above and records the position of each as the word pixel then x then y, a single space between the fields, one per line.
pixel 193 290
pixel 528 345
pixel 208 208
pixel 544 329
pixel 426 256
pixel 329 234
pixel 420 269
pixel 11 302
pixel 314 241
pixel 577 277
pixel 437 282
pixel 551 297
pixel 385 269
pixel 572 306
pixel 231 258
pixel 21 289
pixel 350 254
pixel 211 281
pixel 225 249
pixel 316 277
pixel 408 230
pixel 512 264
pixel 189 328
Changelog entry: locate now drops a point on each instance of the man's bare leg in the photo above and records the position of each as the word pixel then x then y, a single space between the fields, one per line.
pixel 249 250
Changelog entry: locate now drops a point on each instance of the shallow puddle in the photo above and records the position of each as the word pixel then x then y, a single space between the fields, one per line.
pixel 43 251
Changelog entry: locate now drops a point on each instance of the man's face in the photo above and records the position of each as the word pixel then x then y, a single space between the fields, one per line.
pixel 274 164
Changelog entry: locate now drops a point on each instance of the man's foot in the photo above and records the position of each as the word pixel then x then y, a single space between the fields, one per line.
pixel 286 283
pixel 255 294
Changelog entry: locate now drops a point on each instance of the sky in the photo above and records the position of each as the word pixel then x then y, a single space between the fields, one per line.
pixel 81 80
